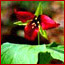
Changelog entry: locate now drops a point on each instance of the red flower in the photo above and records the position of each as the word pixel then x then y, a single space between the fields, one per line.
pixel 32 28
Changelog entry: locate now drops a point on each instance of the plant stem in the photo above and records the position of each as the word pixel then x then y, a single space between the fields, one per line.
pixel 38 39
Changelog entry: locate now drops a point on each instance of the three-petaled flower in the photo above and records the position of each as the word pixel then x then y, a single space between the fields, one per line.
pixel 32 28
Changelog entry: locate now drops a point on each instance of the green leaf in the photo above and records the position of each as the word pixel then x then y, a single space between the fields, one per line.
pixel 39 10
pixel 20 53
pixel 20 23
pixel 43 32
pixel 54 44
pixel 44 58
pixel 57 52
pixel 54 51
pixel 30 54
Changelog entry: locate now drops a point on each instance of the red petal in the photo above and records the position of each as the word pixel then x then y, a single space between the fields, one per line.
pixel 47 22
pixel 23 15
pixel 30 33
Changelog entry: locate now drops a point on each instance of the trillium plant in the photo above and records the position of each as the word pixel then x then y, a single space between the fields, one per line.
pixel 35 22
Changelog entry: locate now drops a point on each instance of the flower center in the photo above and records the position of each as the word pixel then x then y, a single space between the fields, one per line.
pixel 36 21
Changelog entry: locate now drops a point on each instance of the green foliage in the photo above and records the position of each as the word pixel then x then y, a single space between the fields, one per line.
pixel 30 54
pixel 54 44
pixel 57 52
pixel 20 23
pixel 20 54
pixel 44 58
pixel 43 32
pixel 39 10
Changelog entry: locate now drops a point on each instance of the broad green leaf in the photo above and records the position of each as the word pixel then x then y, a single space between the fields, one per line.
pixel 57 52
pixel 39 10
pixel 20 23
pixel 30 54
pixel 43 32
pixel 20 53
